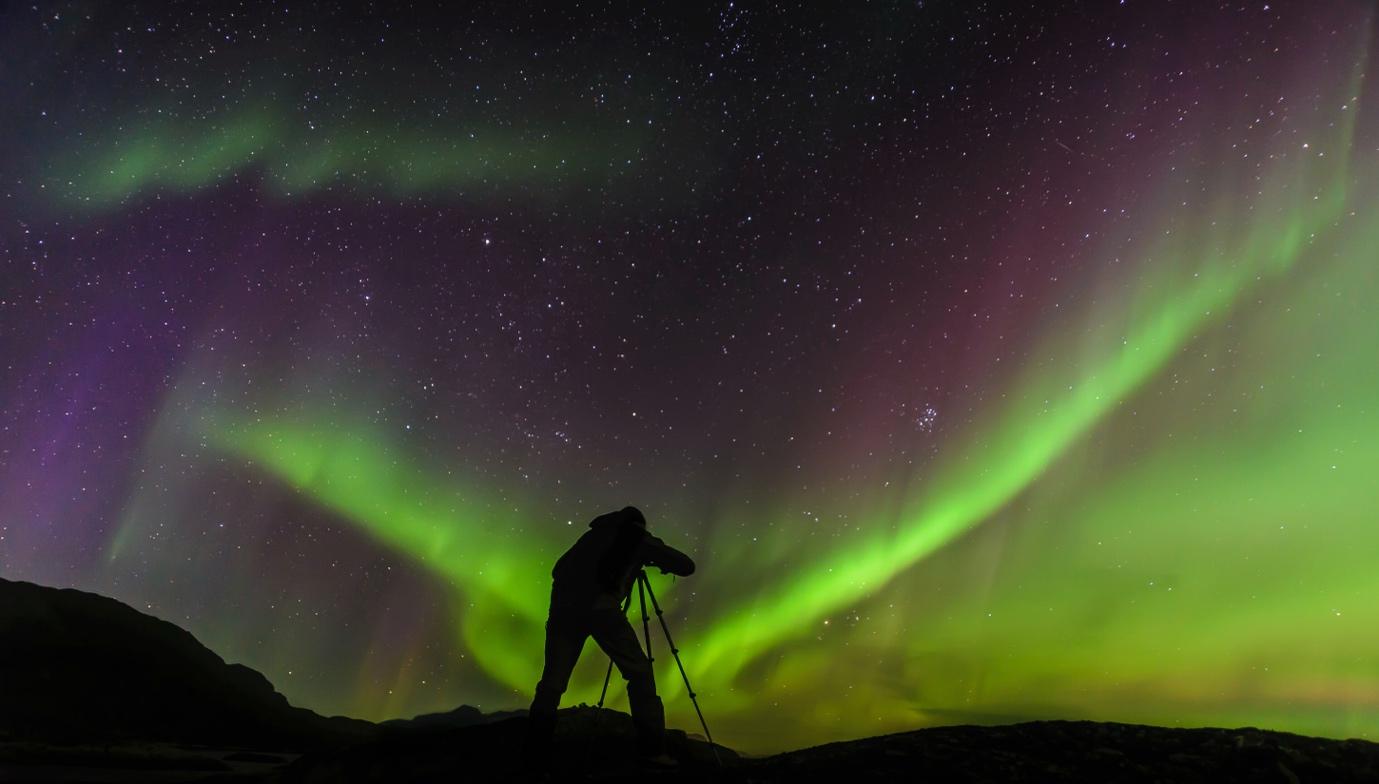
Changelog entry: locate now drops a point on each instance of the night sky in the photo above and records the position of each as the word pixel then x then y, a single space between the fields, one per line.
pixel 993 363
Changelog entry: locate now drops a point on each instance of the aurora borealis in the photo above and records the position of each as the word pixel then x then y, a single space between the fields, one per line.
pixel 991 364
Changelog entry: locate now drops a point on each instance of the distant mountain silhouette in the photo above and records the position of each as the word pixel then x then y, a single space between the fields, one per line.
pixel 76 666
pixel 463 716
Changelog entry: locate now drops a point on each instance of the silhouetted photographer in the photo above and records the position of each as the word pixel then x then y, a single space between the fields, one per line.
pixel 590 582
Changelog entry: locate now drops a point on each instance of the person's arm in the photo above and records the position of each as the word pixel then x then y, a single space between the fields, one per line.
pixel 657 553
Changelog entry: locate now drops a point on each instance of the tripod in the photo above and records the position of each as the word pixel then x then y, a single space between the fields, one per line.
pixel 643 591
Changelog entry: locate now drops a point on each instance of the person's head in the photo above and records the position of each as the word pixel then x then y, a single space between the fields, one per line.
pixel 633 514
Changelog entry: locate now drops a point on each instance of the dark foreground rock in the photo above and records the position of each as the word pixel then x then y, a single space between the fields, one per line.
pixel 591 744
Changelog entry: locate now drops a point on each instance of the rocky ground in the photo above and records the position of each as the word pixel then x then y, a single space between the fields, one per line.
pixel 597 745
pixel 1080 751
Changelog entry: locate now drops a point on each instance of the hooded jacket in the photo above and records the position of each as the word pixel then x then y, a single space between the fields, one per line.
pixel 598 570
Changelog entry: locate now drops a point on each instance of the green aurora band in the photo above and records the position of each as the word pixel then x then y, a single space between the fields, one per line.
pixel 1243 511
pixel 294 158
pixel 1069 388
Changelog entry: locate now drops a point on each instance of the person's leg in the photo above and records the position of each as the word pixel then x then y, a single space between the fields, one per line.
pixel 564 641
pixel 616 637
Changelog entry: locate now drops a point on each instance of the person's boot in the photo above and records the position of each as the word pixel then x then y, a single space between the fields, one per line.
pixel 649 717
pixel 540 738
pixel 651 749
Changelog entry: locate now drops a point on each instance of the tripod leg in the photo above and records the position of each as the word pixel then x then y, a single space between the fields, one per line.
pixel 642 589
pixel 607 676
pixel 694 698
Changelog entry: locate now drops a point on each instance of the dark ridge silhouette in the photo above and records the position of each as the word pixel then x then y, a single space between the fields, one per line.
pixel 88 685
pixel 1083 751
pixel 79 667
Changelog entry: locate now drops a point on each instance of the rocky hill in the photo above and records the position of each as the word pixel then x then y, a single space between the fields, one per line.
pixel 76 666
